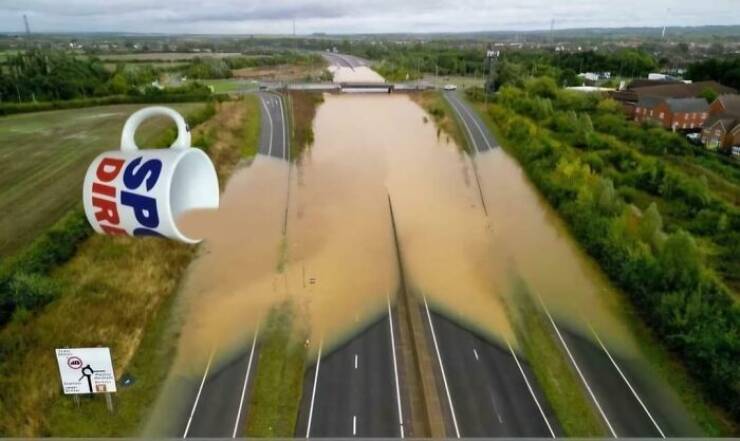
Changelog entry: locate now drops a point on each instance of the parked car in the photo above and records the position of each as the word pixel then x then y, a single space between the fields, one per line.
pixel 694 138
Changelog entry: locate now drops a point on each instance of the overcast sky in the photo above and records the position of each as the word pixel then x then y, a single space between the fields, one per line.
pixel 355 16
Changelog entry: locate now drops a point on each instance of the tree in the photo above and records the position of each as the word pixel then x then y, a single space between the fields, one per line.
pixel 680 262
pixel 651 226
pixel 708 94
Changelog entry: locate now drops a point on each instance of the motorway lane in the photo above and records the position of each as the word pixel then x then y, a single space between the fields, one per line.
pixel 356 391
pixel 274 133
pixel 618 394
pixel 487 390
pixel 220 404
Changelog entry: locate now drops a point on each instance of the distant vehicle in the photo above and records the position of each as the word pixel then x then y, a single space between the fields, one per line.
pixel 263 86
pixel 694 138
pixel 450 87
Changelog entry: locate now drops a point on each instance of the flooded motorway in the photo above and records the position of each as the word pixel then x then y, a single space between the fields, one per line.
pixel 318 232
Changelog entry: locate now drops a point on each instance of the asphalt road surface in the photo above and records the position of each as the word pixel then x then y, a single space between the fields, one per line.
pixel 343 60
pixel 274 134
pixel 220 403
pixel 628 403
pixel 354 391
pixel 487 390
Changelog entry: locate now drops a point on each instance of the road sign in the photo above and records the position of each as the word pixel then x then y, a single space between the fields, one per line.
pixel 86 370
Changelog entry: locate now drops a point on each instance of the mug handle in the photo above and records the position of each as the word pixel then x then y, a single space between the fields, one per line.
pixel 128 143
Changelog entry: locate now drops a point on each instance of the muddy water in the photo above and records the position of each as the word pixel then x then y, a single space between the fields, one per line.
pixel 534 243
pixel 358 74
pixel 341 255
pixel 232 284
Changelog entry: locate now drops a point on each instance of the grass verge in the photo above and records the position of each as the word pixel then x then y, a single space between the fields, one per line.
pixel 276 398
pixel 556 378
pixel 304 105
pixel 115 292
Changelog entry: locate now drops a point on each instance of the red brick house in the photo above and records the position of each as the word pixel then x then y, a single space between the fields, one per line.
pixel 672 113
pixel 721 130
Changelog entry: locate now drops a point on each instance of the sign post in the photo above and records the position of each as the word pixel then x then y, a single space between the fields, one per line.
pixel 87 371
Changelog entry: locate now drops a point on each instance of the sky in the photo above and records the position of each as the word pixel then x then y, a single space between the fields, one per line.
pixel 355 16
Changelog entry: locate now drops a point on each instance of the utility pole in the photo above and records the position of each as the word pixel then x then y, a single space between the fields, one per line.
pixel 491 59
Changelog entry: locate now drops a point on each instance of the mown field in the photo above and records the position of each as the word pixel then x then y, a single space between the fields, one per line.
pixel 44 156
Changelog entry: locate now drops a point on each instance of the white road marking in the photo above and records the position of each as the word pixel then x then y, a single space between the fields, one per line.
pixel 269 120
pixel 395 368
pixel 442 368
pixel 282 123
pixel 475 121
pixel 354 425
pixel 355 361
pixel 531 391
pixel 632 389
pixel 578 369
pixel 313 394
pixel 495 408
pixel 246 381
pixel 197 397
pixel 476 354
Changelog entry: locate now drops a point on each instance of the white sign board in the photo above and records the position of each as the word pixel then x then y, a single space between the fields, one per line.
pixel 86 370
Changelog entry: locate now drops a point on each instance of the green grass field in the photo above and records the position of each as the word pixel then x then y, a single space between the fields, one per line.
pixel 231 85
pixel 44 156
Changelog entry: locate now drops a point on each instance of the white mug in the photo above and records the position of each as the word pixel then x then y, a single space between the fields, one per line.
pixel 142 192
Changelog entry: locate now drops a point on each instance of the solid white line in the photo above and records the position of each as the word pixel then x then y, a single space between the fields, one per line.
pixel 282 123
pixel 482 134
pixel 395 368
pixel 355 361
pixel 580 374
pixel 197 397
pixel 634 392
pixel 462 119
pixel 442 368
pixel 313 394
pixel 269 119
pixel 531 392
pixel 354 425
pixel 246 381
pixel 476 354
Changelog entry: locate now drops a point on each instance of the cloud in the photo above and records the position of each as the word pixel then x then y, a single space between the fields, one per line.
pixel 353 16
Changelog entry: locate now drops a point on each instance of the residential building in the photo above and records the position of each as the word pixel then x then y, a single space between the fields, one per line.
pixel 721 131
pixel 638 89
pixel 672 113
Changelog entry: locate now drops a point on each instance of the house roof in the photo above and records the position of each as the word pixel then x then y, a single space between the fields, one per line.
pixel 731 103
pixel 649 102
pixel 687 105
pixel 641 82
pixel 727 121
pixel 683 90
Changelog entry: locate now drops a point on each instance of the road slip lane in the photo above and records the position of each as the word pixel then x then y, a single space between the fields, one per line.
pixel 219 407
pixel 489 393
pixel 354 393
pixel 274 131
pixel 474 128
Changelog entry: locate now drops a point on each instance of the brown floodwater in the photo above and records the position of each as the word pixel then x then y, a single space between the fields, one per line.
pixel 361 74
pixel 536 246
pixel 318 232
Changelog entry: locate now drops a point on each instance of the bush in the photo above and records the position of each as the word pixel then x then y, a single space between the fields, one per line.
pixel 664 275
